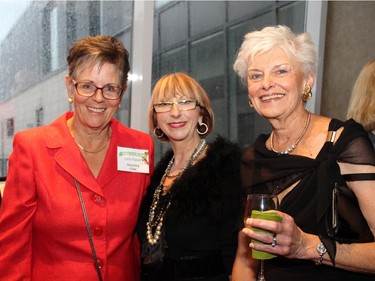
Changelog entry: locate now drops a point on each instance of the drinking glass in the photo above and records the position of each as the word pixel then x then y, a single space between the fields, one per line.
pixel 262 203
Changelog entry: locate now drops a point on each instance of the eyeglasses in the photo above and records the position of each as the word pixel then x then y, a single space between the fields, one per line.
pixel 109 91
pixel 181 105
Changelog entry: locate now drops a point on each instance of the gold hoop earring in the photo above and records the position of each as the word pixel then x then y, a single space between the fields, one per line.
pixel 199 129
pixel 160 134
pixel 307 93
pixel 70 100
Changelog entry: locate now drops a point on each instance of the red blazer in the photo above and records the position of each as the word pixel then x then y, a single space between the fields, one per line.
pixel 42 231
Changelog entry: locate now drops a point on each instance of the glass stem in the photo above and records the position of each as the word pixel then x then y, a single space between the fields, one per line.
pixel 261 272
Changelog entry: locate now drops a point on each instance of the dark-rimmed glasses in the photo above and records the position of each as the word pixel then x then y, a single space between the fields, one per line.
pixel 181 105
pixel 87 89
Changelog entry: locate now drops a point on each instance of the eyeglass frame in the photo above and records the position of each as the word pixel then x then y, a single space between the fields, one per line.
pixel 171 103
pixel 121 89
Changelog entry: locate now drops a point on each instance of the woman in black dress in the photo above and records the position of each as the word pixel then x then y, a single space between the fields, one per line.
pixel 310 162
pixel 189 218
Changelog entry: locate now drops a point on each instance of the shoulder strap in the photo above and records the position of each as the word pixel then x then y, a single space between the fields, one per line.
pixel 96 262
pixel 359 177
pixel 334 125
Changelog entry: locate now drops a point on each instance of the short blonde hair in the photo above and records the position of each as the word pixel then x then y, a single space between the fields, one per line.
pixel 180 84
pixel 298 47
pixel 362 100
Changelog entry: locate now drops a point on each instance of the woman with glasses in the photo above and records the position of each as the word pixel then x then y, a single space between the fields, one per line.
pixel 189 217
pixel 74 187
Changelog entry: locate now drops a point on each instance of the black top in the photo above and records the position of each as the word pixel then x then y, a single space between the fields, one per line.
pixel 264 171
pixel 206 208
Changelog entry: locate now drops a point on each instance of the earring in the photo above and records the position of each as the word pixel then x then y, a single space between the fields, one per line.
pixel 70 100
pixel 158 132
pixel 199 131
pixel 307 93
pixel 251 104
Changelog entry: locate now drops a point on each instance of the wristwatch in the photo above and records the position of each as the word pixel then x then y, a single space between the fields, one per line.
pixel 321 249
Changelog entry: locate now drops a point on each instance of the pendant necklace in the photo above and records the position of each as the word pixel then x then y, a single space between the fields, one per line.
pixel 155 220
pixel 293 146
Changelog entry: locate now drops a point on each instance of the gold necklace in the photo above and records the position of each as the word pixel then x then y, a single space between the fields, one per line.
pixel 155 221
pixel 90 151
pixel 293 146
pixel 84 149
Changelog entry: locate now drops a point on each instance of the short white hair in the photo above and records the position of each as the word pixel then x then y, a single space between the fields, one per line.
pixel 297 47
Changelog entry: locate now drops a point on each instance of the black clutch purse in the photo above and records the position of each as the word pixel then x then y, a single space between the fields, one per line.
pixel 345 222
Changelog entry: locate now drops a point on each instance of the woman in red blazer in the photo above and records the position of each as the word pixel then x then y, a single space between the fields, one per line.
pixel 43 231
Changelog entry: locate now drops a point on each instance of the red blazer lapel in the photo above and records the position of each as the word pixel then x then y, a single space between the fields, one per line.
pixel 69 156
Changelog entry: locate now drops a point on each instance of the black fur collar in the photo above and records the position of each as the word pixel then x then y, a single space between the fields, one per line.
pixel 210 187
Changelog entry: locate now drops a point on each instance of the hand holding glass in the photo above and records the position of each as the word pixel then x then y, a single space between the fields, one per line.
pixel 256 205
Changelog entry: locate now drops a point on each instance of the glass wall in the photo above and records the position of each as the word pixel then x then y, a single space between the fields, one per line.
pixel 197 37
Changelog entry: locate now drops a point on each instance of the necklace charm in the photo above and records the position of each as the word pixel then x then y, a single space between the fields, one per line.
pixel 159 206
pixel 294 145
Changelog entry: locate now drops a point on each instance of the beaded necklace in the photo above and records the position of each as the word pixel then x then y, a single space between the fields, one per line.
pixel 155 221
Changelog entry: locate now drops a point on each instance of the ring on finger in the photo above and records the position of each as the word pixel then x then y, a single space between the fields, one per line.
pixel 274 240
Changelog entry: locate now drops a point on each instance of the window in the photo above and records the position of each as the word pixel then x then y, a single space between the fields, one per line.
pixel 50 38
pixel 39 117
pixel 10 127
pixel 54 39
pixel 202 38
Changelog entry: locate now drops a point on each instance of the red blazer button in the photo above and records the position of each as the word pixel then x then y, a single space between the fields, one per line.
pixel 98 199
pixel 98 231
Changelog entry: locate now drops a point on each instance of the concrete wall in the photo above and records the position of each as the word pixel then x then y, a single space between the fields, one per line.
pixel 350 43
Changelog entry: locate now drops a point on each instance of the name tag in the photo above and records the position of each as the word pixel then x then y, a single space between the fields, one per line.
pixel 133 160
